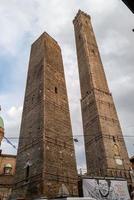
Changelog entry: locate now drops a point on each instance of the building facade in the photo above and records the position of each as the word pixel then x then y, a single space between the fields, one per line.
pixel 7 169
pixel 46 164
pixel 106 152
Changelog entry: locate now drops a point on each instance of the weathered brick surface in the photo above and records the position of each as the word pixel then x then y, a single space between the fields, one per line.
pixel 104 143
pixel 46 143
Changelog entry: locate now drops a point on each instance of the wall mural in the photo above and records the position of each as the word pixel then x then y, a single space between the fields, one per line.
pixel 105 189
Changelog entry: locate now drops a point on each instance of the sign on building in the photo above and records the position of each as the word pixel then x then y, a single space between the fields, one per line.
pixel 105 189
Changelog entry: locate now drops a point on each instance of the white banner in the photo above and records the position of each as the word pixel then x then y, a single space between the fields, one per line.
pixel 105 189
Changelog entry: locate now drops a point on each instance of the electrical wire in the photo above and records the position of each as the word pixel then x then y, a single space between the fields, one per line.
pixel 74 138
pixel 9 142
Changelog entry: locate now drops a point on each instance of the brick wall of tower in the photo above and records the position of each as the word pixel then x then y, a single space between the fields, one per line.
pixel 60 157
pixel 106 153
pixel 30 150
pixel 46 143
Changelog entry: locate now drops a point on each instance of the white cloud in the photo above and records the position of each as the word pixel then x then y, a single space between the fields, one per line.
pixel 114 43
pixel 14 112
pixel 12 120
pixel 15 22
pixel 102 6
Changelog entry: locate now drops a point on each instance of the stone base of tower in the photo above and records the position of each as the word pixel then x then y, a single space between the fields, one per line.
pixel 47 189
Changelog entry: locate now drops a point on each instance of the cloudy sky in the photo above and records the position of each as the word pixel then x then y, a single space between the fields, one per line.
pixel 21 24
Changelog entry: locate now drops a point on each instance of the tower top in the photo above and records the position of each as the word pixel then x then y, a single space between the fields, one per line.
pixel 80 13
pixel 47 36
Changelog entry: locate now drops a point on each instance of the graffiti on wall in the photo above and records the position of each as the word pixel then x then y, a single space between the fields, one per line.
pixel 105 189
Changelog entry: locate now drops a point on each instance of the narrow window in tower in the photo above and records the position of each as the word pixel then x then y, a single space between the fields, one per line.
pixel 33 98
pixel 56 90
pixel 27 171
pixel 114 139
pixel 93 51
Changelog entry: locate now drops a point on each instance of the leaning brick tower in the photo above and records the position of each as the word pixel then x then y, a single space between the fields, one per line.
pixel 106 153
pixel 46 164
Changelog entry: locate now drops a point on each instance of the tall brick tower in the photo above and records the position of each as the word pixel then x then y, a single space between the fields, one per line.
pixel 46 164
pixel 106 153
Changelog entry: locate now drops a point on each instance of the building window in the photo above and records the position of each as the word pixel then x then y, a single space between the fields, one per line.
pixel 27 171
pixel 33 98
pixel 114 139
pixel 93 51
pixel 56 90
pixel 8 169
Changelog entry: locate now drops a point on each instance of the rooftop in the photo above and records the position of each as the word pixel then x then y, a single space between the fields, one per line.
pixel 45 35
pixel 8 155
